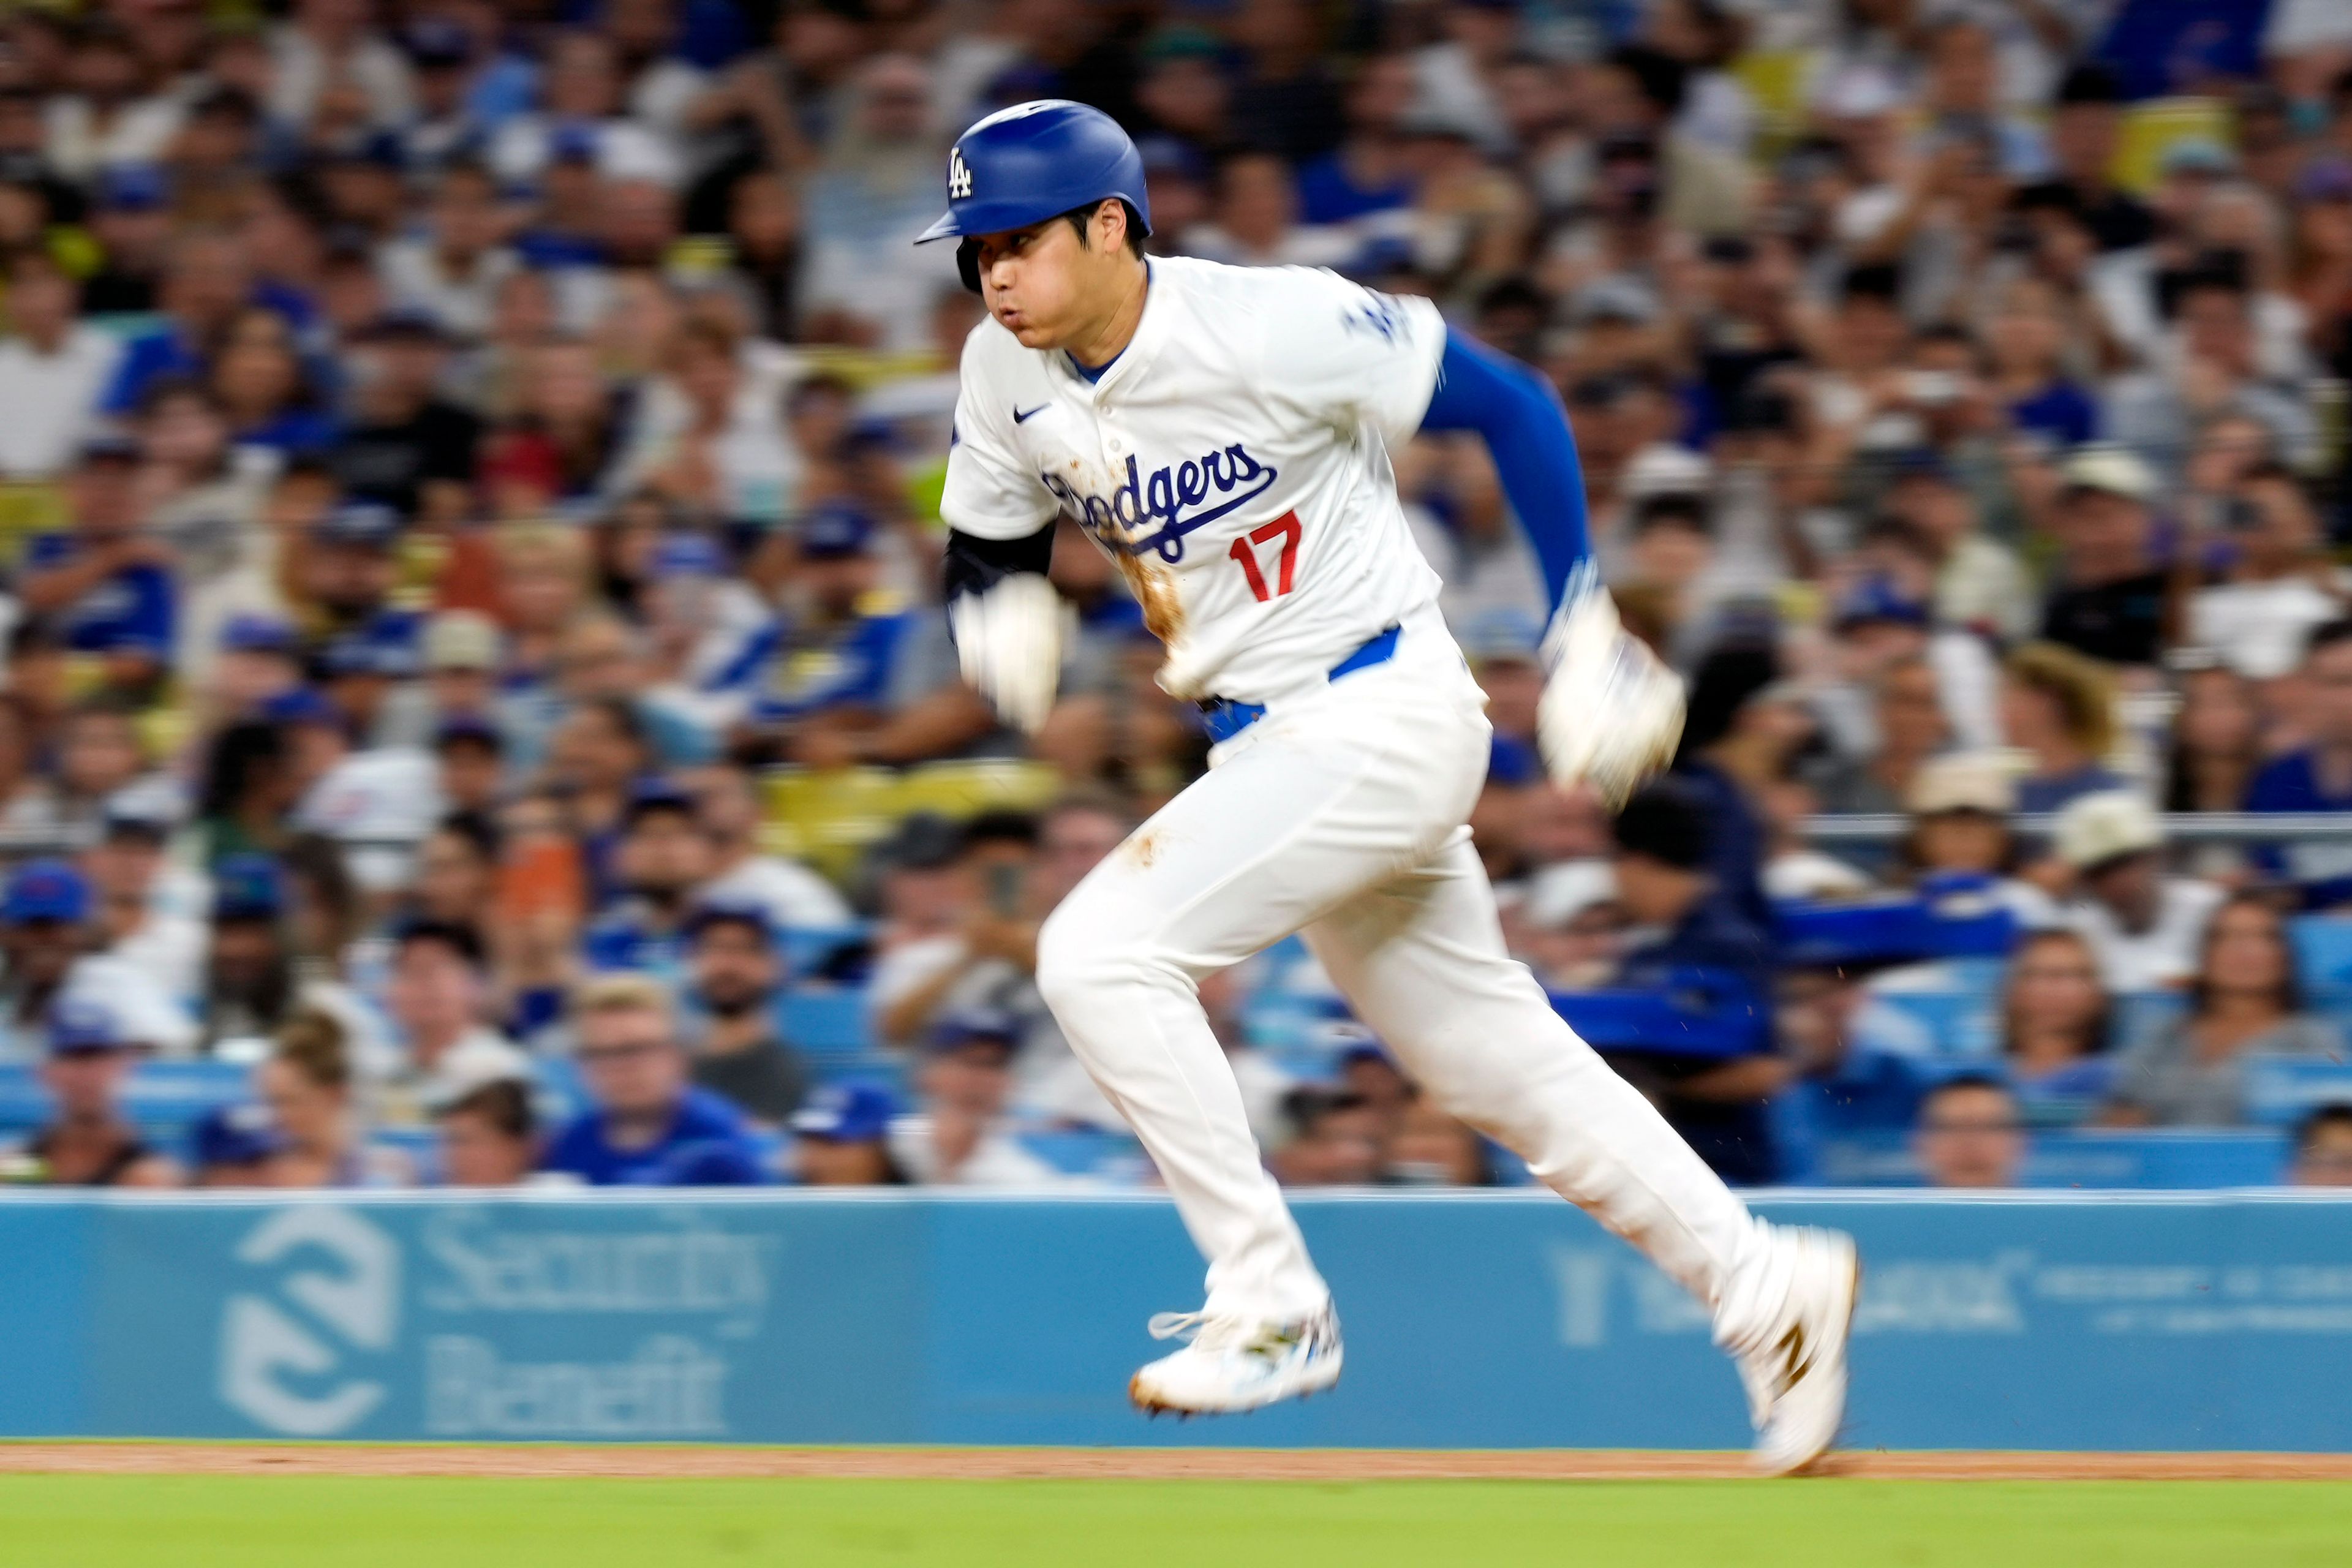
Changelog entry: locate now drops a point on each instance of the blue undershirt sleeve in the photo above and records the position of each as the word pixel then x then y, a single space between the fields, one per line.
pixel 1526 430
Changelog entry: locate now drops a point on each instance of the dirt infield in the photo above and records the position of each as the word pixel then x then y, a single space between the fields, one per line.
pixel 1129 1464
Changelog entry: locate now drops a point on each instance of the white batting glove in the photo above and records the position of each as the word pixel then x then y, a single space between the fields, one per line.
pixel 1009 642
pixel 1612 713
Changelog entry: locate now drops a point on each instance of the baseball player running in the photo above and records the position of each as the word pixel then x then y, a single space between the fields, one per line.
pixel 1224 433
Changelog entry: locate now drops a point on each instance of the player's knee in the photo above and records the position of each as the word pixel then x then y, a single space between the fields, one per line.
pixel 1082 960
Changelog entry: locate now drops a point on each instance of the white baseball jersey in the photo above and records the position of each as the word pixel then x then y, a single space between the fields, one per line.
pixel 1232 459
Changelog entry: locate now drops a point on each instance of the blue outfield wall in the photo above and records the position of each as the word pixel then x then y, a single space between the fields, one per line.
pixel 2085 1320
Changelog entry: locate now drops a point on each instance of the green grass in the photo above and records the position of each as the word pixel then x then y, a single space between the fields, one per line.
pixel 300 1521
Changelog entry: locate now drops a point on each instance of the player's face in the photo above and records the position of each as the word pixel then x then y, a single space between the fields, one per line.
pixel 1043 285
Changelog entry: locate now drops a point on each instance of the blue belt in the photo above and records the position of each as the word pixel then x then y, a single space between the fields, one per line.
pixel 1223 718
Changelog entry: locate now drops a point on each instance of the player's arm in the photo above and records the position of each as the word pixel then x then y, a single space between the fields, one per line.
pixel 1612 713
pixel 1006 617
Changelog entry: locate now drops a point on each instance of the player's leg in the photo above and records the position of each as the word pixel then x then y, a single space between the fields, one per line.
pixel 1304 812
pixel 1422 959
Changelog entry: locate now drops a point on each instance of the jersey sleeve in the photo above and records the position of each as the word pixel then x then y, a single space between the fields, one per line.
pixel 1352 355
pixel 990 491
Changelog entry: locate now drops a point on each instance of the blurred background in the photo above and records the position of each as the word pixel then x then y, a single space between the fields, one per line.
pixel 469 518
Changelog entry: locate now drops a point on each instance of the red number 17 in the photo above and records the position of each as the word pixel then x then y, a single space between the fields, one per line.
pixel 1284 528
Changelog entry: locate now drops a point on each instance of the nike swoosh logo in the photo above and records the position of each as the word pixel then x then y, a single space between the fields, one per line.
pixel 1021 418
pixel 1800 1360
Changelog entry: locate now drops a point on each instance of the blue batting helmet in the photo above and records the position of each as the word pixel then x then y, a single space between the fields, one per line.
pixel 1022 165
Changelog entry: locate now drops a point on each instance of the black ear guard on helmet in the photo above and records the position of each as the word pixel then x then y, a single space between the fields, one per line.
pixel 968 264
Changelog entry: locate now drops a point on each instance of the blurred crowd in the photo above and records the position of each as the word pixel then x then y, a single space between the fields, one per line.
pixel 476 705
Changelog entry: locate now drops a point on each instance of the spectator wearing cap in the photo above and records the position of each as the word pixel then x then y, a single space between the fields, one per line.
pixel 45 915
pixel 378 801
pixel 2058 708
pixel 840 1138
pixel 736 973
pixel 106 581
pixel 130 218
pixel 2245 1000
pixel 2279 586
pixel 370 673
pixel 1971 1136
pixel 54 368
pixel 249 985
pixel 442 75
pixel 1961 840
pixel 962 1135
pixel 437 997
pixel 2110 599
pixel 1709 966
pixel 2145 926
pixel 661 856
pixel 231 1146
pixel 727 798
pixel 647 1124
pixel 404 444
pixel 488 1135
pixel 259 659
pixel 346 572
pixel 460 653
pixel 699 621
pixel 2317 777
pixel 817 684
pixel 88 1142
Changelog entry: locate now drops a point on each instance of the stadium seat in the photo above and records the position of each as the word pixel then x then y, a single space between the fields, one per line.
pixel 823 1023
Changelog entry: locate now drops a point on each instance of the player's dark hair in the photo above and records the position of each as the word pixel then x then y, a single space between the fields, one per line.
pixel 1079 217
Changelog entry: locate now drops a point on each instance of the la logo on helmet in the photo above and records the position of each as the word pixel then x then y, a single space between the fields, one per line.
pixel 958 175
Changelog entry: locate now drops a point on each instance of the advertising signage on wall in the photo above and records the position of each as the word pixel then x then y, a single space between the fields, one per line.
pixel 2089 1322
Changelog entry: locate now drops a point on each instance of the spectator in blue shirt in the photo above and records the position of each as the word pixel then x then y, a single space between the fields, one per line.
pixel 647 1125
pixel 207 282
pixel 2316 778
pixel 1854 1087
pixel 107 583
pixel 662 857
pixel 1708 970
pixel 818 678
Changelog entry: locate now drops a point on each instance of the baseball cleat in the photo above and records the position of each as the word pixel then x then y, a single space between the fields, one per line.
pixel 1797 1383
pixel 1233 1364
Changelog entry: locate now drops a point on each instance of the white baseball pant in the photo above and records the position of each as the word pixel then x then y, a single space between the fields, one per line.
pixel 1341 813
